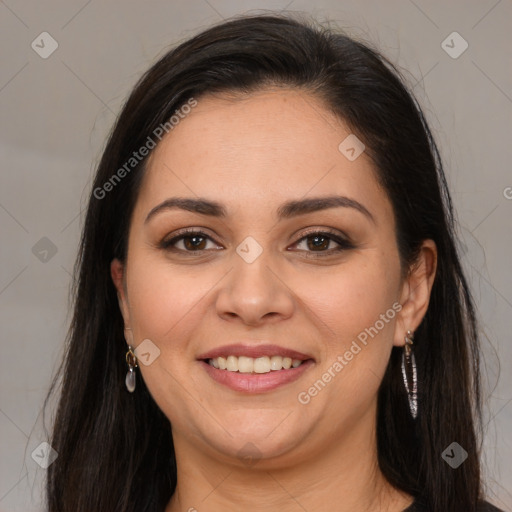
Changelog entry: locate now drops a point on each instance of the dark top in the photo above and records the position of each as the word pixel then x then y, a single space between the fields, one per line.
pixel 483 507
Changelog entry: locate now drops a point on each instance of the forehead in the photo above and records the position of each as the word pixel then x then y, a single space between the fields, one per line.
pixel 255 150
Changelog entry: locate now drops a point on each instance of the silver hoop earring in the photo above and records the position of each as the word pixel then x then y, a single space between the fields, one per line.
pixel 409 374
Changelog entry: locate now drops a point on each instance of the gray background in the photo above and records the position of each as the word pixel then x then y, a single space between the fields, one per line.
pixel 56 113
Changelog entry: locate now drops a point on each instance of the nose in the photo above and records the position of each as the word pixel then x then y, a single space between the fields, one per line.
pixel 254 293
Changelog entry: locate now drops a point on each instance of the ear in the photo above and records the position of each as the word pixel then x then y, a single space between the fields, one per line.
pixel 415 292
pixel 117 271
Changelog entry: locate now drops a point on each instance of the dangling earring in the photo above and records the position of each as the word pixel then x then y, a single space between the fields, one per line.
pixel 130 379
pixel 131 360
pixel 409 374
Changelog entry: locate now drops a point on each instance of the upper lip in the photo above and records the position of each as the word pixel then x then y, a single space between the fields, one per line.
pixel 253 351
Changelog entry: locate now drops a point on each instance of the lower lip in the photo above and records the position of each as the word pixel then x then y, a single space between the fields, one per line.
pixel 256 382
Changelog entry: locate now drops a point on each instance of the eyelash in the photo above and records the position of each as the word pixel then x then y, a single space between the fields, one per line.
pixel 189 233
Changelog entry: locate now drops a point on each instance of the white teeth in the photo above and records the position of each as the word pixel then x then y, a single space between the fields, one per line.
pixel 276 362
pixel 232 364
pixel 245 364
pixel 262 365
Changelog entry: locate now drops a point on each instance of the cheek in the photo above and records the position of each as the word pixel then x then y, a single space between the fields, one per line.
pixel 165 300
pixel 352 298
pixel 361 308
pixel 165 307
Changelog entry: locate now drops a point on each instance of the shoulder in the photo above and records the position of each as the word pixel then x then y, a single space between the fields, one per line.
pixel 487 507
pixel 483 506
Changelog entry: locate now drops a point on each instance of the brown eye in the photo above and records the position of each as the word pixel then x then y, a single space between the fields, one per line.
pixel 320 241
pixel 193 241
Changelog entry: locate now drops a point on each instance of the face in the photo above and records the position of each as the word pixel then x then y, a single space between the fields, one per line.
pixel 278 280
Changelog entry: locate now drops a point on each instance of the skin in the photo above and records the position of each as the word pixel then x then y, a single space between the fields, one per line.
pixel 252 153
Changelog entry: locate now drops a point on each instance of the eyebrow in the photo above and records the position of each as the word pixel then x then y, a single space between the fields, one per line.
pixel 287 210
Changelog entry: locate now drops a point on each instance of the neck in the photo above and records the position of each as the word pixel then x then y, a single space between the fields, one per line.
pixel 344 476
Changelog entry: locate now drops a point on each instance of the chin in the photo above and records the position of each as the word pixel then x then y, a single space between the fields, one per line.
pixel 266 450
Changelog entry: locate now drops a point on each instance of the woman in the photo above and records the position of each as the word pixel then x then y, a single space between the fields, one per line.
pixel 270 311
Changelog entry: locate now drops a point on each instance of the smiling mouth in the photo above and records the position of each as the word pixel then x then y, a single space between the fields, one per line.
pixel 243 364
